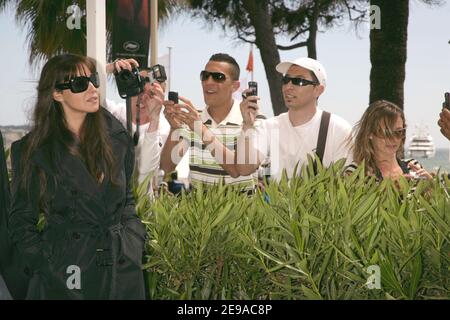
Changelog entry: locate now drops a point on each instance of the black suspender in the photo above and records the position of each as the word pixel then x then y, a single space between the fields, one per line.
pixel 323 132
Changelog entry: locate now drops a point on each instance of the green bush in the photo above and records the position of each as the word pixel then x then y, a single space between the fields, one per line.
pixel 313 239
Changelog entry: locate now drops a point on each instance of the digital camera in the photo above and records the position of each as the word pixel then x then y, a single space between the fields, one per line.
pixel 157 73
pixel 131 83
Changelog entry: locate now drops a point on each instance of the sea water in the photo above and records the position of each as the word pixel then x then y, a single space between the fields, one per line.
pixel 440 160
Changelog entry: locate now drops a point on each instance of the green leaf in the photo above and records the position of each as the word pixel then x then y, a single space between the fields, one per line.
pixel 415 277
pixel 310 294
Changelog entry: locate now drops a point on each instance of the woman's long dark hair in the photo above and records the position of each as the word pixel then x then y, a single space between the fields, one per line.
pixel 50 126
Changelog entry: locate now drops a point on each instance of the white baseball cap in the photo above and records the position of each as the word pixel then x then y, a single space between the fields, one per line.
pixel 315 66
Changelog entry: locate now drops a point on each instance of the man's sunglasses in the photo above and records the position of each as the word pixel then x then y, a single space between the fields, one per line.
pixel 399 133
pixel 217 76
pixel 79 84
pixel 299 81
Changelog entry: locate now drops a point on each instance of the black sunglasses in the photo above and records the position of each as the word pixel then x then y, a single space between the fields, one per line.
pixel 79 84
pixel 217 76
pixel 299 81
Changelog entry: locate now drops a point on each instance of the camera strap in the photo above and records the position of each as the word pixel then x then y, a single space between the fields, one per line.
pixel 138 120
pixel 129 117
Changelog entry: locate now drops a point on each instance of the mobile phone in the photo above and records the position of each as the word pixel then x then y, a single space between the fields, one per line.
pixel 446 104
pixel 173 96
pixel 254 86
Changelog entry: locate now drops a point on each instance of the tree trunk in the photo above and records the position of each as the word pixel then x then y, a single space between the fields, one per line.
pixel 388 51
pixel 265 40
pixel 312 49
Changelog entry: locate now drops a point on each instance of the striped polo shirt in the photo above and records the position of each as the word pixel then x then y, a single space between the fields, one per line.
pixel 204 168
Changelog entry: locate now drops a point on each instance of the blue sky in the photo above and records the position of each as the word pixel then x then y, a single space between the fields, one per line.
pixel 344 54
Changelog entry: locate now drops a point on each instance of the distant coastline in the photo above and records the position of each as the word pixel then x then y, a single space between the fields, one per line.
pixel 440 160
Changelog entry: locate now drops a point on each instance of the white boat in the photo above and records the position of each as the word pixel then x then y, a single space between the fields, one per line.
pixel 421 145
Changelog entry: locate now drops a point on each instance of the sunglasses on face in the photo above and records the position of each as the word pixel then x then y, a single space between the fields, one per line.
pixel 399 133
pixel 217 76
pixel 79 84
pixel 299 81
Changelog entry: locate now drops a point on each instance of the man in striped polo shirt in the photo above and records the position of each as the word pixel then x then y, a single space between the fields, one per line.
pixel 213 132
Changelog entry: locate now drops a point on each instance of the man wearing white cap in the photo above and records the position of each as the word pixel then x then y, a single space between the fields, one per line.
pixel 290 137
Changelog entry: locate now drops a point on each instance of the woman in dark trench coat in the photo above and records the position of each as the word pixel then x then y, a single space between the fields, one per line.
pixel 72 174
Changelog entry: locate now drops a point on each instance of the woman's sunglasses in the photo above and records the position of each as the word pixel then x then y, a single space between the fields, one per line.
pixel 79 84
pixel 217 76
pixel 298 81
pixel 399 133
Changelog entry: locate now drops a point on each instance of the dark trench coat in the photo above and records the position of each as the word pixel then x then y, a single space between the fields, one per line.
pixel 4 205
pixel 15 285
pixel 89 226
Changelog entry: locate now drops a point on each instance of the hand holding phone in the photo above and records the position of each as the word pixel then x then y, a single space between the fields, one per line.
pixel 173 96
pixel 446 103
pixel 254 88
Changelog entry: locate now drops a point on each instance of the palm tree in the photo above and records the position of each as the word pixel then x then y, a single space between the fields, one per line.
pixel 45 24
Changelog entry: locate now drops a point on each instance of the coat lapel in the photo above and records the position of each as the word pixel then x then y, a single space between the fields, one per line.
pixel 74 171
pixel 80 177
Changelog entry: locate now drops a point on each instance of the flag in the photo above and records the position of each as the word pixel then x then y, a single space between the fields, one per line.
pixel 134 11
pixel 131 31
pixel 250 61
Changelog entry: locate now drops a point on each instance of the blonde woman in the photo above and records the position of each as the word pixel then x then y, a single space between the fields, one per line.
pixel 378 138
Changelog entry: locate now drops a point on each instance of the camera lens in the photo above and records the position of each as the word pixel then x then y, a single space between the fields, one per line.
pixel 129 83
pixel 126 75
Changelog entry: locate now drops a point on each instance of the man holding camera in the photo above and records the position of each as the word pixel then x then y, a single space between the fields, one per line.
pixel 145 109
pixel 212 132
pixel 304 130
